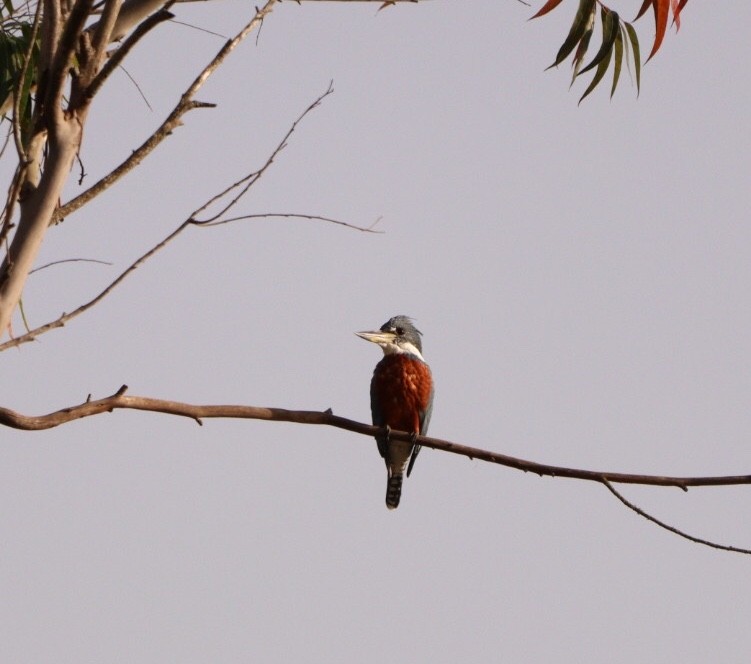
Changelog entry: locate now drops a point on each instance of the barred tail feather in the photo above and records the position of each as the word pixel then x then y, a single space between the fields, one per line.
pixel 393 491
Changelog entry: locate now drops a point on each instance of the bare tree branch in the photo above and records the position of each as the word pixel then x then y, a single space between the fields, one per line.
pixel 119 55
pixel 172 121
pixel 249 180
pixel 672 529
pixel 102 32
pixel 132 13
pixel 32 335
pixel 198 412
pixel 119 400
pixel 290 215
pixel 64 51
pixel 243 185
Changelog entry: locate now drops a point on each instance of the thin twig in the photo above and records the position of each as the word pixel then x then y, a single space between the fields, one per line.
pixel 68 260
pixel 288 215
pixel 672 529
pixel 138 88
pixel 198 27
pixel 249 180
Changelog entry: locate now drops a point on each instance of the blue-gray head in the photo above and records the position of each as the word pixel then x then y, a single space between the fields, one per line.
pixel 397 335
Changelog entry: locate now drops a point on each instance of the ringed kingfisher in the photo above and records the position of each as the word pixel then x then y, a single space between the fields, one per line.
pixel 401 398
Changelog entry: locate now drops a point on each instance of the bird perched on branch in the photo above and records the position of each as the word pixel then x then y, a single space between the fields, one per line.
pixel 401 398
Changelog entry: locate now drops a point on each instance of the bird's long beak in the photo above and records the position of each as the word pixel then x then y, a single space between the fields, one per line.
pixel 377 337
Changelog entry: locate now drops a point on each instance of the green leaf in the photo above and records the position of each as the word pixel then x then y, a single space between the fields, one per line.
pixel 637 57
pixel 610 24
pixel 618 62
pixel 578 27
pixel 581 50
pixel 601 69
pixel 14 48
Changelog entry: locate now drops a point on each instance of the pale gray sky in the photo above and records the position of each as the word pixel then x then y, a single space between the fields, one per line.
pixel 581 277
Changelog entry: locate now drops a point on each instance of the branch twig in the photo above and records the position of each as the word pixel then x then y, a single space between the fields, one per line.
pixel 119 55
pixel 196 412
pixel 68 260
pixel 290 215
pixel 672 529
pixel 249 180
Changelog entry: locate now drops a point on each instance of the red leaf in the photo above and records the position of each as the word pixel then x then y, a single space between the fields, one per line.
pixel 676 14
pixel 677 6
pixel 661 23
pixel 645 5
pixel 550 5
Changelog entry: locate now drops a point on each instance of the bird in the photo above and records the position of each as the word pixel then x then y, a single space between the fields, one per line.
pixel 401 398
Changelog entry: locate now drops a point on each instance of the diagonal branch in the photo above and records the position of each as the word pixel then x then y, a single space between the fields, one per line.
pixel 64 51
pixel 173 120
pixel 102 32
pixel 672 529
pixel 244 185
pixel 32 335
pixel 249 180
pixel 118 56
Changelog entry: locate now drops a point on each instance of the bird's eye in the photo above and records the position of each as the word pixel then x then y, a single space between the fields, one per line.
pixel 400 331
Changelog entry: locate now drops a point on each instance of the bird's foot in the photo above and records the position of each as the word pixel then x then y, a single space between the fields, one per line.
pixel 413 437
pixel 387 433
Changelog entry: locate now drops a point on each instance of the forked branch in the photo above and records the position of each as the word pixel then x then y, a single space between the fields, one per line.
pixel 174 119
pixel 226 200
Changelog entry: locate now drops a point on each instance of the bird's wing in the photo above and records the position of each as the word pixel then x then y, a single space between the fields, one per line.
pixel 424 422
pixel 378 419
